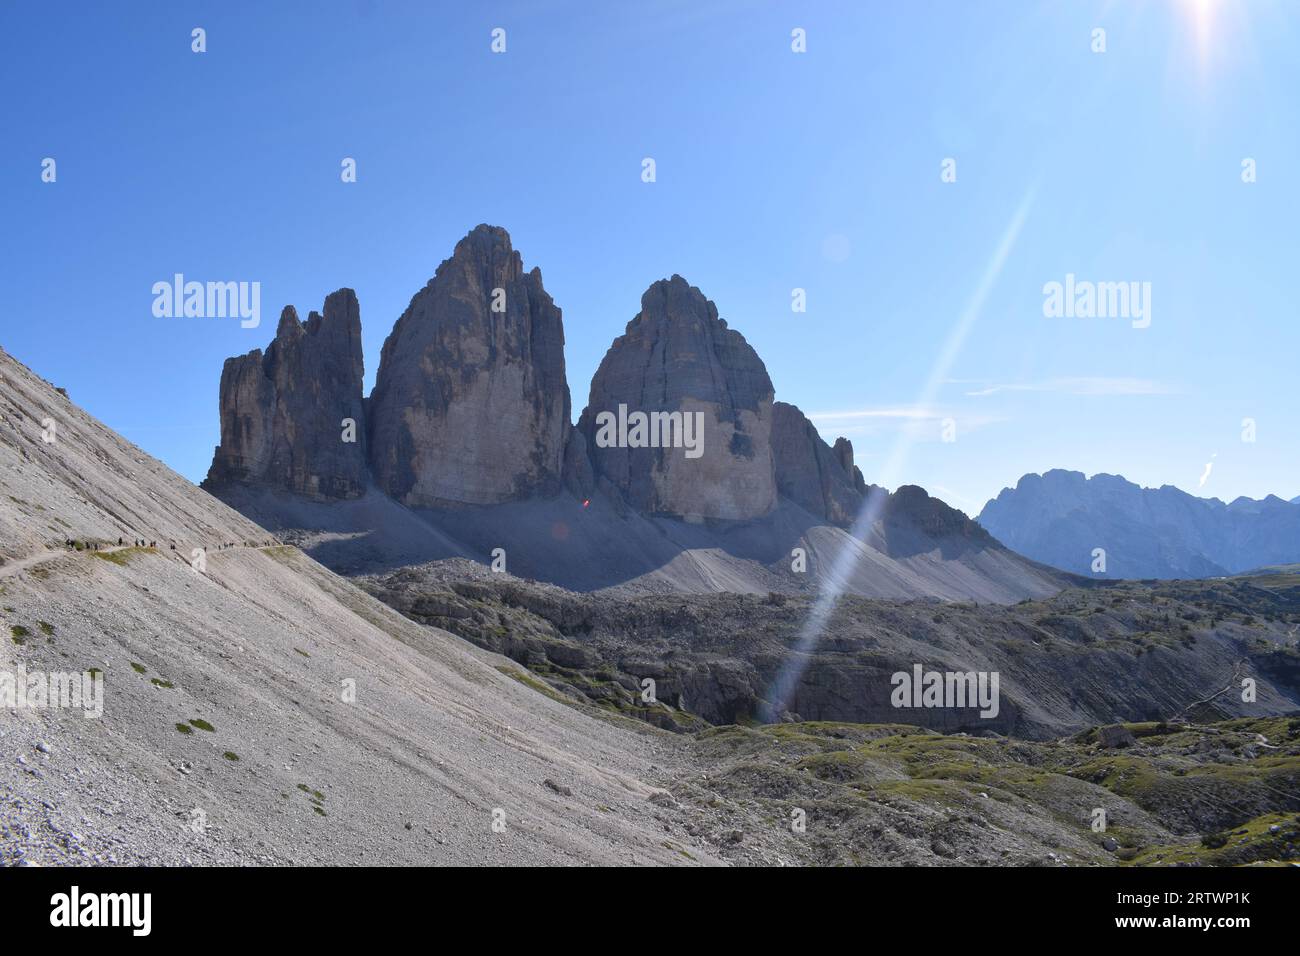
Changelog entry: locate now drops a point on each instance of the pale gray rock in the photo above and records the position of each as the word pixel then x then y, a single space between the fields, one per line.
pixel 578 478
pixel 678 356
pixel 471 405
pixel 283 412
pixel 844 452
pixel 1115 736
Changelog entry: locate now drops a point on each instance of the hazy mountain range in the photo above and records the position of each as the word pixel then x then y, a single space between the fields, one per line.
pixel 1061 517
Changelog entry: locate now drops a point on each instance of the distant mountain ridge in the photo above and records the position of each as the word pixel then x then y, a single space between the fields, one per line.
pixel 1061 517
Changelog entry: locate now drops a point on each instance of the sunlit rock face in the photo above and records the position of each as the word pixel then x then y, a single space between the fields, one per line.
pixel 471 405
pixel 293 418
pixel 678 356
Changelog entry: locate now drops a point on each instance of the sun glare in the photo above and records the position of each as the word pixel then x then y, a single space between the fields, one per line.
pixel 1202 14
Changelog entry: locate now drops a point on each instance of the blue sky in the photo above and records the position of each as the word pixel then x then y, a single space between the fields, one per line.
pixel 775 170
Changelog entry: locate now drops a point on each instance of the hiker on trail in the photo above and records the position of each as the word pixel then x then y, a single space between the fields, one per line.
pixel 119 542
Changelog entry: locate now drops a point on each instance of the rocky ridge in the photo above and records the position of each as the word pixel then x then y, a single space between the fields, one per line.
pixel 285 413
pixel 471 405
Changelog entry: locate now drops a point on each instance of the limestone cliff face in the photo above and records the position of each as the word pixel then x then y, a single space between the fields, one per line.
pixel 471 405
pixel 821 479
pixel 283 412
pixel 677 356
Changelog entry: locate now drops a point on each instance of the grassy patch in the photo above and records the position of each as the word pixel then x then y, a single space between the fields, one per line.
pixel 316 797
pixel 528 680
pixel 46 628
pixel 231 756
pixel 302 652
pixel 138 668
pixel 670 845
pixel 1270 837
pixel 184 729
pixel 201 724
pixel 113 557
pixel 19 634
pixel 159 682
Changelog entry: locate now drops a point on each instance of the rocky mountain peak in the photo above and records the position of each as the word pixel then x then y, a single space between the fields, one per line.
pixel 471 404
pixel 818 478
pixel 680 367
pixel 284 412
pixel 289 328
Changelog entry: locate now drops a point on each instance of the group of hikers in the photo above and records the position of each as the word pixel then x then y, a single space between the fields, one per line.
pixel 88 545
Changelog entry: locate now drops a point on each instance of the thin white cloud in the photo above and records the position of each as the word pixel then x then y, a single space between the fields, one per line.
pixel 1075 386
pixel 918 422
pixel 902 412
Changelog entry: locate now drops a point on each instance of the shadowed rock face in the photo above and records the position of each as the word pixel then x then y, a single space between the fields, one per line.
pixel 810 473
pixel 678 356
pixel 282 413
pixel 471 405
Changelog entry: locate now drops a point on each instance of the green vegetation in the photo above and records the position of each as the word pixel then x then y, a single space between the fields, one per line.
pixel 46 628
pixel 670 845
pixel 122 556
pixel 1221 794
pixel 1270 837
pixel 201 724
pixel 231 756
pixel 184 728
pixel 159 682
pixel 316 798
pixel 528 680
pixel 19 634
pixel 119 558
pixel 602 694
pixel 138 668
